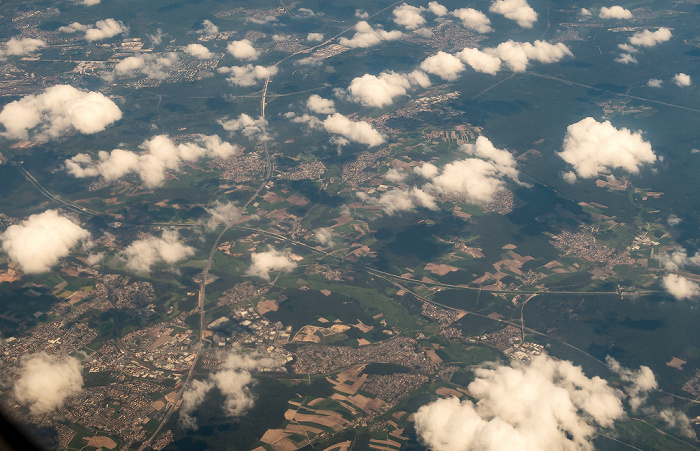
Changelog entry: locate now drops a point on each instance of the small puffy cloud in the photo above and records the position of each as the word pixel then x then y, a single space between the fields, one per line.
pixel 409 16
pixel 324 236
pixel 103 29
pixel 585 12
pixel 517 55
pixel 153 66
pixel 473 19
pixel 638 384
pixel 380 91
pixel 248 75
pixel 208 28
pixel 160 155
pixel 398 200
pixel 366 36
pixel 361 14
pixel 271 260
pixel 314 37
pixel 678 258
pixel 679 421
pixel 225 213
pixel 648 38
pixel 614 12
pixel 679 287
pixel 545 404
pixel 444 65
pixel 682 80
pixel 319 105
pixel 249 127
pixel 41 240
pixel 629 48
pixel 478 178
pixel 199 51
pixel 233 379
pixel 594 148
pixel 243 50
pixel 141 255
pixel 45 381
pixel 91 2
pixel 517 10
pixel 19 47
pixel 654 83
pixel 626 58
pixel 360 131
pixel 395 175
pixel 57 111
pixel 480 61
pixel 437 9
pixel 673 220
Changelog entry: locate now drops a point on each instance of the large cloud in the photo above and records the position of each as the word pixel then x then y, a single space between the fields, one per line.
pixel 243 50
pixel 234 381
pixel 595 148
pixel 477 179
pixel 544 405
pixel 517 55
pixel 271 260
pixel 248 75
pixel 45 381
pixel 360 132
pixel 38 242
pixel 473 19
pixel 517 10
pixel 160 154
pixel 56 111
pixel 444 65
pixel 614 12
pixel 648 38
pixel 103 29
pixel 679 287
pixel 366 36
pixel 18 47
pixel 249 127
pixel 678 258
pixel 379 91
pixel 409 16
pixel 142 254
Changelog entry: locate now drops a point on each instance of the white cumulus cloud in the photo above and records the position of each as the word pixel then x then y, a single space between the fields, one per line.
pixel 45 381
pixel 682 80
pixel 517 55
pixel 360 131
pixel 243 50
pixel 319 105
pixel 437 9
pixel 225 213
pixel 314 37
pixel 444 65
pixel 57 111
pixel 248 75
pixel 614 12
pixel 271 260
pixel 159 155
pixel 638 383
pixel 198 51
pixel 142 254
pixel 473 19
pixel 379 91
pixel 324 236
pixel 154 66
pixel 366 36
pixel 409 16
pixel 654 83
pixel 679 287
pixel 625 58
pixel 248 126
pixel 41 240
pixel 594 148
pixel 103 29
pixel 208 28
pixel 543 405
pixel 648 38
pixel 19 47
pixel 517 10
pixel 480 61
